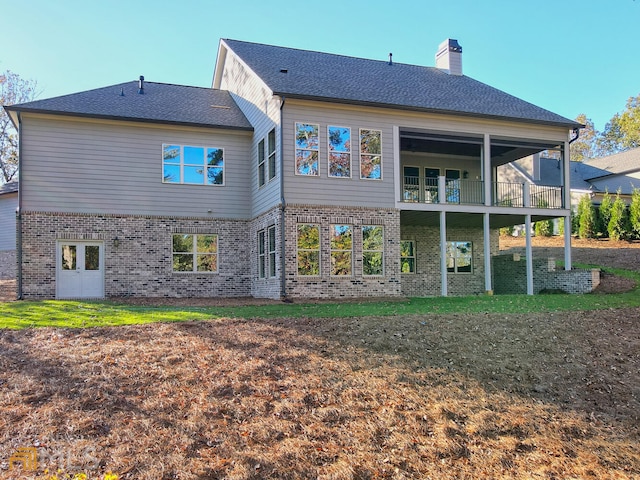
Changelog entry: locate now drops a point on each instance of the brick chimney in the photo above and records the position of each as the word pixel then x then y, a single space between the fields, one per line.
pixel 449 57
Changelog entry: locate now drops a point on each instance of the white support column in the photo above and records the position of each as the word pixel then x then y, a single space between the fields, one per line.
pixel 442 189
pixel 529 254
pixel 488 284
pixel 567 243
pixel 443 253
pixel 526 194
pixel 486 168
pixel 566 177
pixel 396 164
pixel 566 184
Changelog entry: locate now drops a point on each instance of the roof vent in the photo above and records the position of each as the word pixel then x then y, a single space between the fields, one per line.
pixel 141 85
pixel 122 91
pixel 284 70
pixel 390 58
pixel 449 57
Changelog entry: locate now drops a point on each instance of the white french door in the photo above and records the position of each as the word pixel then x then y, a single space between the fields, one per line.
pixel 80 269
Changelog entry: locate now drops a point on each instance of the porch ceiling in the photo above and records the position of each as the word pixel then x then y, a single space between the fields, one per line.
pixel 459 220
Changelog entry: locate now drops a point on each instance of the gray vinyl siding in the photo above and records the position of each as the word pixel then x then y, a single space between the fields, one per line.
pixel 323 190
pixel 8 205
pixel 262 110
pixel 111 167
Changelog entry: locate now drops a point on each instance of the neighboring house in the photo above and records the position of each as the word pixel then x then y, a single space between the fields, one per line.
pixel 298 174
pixel 8 207
pixel 614 173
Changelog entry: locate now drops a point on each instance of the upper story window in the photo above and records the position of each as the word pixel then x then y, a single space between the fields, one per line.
pixel 307 147
pixel 261 164
pixel 339 152
pixel 370 154
pixel 271 144
pixel 459 257
pixel 192 165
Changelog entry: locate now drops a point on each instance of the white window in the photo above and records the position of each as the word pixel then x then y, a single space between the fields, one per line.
pixel 407 256
pixel 370 154
pixel 339 152
pixel 307 147
pixel 341 250
pixel 459 257
pixel 308 249
pixel 271 143
pixel 271 246
pixel 262 259
pixel 261 164
pixel 195 253
pixel 372 250
pixel 192 165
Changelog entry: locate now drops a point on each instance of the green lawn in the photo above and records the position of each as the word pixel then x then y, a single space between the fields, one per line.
pixel 78 314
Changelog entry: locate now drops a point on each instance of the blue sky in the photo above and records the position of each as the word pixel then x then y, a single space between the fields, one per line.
pixel 568 56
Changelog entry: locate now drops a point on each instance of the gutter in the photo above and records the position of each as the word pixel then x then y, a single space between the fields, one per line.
pixel 19 214
pixel 283 207
pixel 577 132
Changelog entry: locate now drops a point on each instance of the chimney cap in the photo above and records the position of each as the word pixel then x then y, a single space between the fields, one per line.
pixel 454 46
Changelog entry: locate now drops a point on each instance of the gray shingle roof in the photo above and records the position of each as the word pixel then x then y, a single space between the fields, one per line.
pixel 11 187
pixel 323 76
pixel 160 103
pixel 622 162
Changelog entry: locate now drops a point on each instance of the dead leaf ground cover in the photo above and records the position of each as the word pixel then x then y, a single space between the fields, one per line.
pixel 553 395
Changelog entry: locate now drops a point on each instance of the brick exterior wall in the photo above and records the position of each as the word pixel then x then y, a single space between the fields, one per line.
pixel 426 281
pixel 8 264
pixel 510 274
pixel 141 264
pixel 327 286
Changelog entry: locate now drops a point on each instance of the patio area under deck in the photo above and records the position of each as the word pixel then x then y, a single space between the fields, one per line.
pixel 450 217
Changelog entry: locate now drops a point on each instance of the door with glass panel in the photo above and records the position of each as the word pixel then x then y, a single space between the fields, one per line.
pixel 80 269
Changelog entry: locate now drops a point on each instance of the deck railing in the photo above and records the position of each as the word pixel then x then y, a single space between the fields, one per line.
pixel 471 192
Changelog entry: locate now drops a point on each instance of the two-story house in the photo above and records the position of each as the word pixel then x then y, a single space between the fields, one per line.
pixel 298 174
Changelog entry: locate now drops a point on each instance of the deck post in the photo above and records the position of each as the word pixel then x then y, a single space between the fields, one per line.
pixel 529 254
pixel 486 169
pixel 488 286
pixel 443 253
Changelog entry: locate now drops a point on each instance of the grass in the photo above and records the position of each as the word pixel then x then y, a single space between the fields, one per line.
pixel 81 314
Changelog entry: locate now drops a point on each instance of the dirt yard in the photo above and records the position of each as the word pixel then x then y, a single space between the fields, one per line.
pixel 549 396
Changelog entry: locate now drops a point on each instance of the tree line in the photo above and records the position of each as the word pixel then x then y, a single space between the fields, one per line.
pixel 620 133
pixel 611 219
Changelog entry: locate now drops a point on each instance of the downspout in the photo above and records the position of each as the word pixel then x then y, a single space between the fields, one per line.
pixel 283 207
pixel 19 214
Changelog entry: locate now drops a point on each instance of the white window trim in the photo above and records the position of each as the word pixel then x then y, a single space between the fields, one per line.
pixel 181 165
pixel 271 155
pixel 295 147
pixel 414 257
pixel 319 250
pixel 455 264
pixel 350 153
pixel 372 251
pixel 262 253
pixel 272 254
pixel 331 250
pixel 361 153
pixel 262 163
pixel 195 255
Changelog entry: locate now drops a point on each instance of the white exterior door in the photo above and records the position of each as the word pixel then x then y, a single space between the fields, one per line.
pixel 80 267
